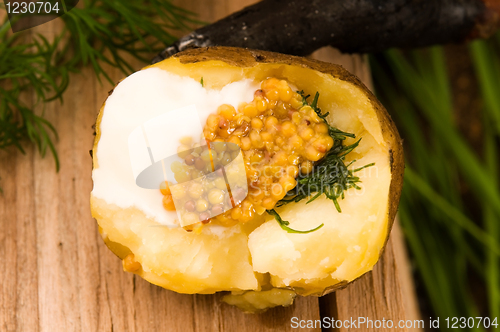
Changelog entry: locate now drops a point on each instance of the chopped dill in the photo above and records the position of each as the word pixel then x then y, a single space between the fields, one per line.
pixel 330 176
pixel 284 224
pixel 96 33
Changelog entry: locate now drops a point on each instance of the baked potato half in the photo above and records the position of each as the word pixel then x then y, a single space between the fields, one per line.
pixel 261 263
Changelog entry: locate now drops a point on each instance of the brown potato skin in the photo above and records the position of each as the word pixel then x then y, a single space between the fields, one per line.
pixel 248 58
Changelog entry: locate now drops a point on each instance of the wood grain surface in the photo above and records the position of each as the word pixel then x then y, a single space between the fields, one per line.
pixel 57 275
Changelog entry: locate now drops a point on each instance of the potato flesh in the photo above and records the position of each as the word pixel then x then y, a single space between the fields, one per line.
pixel 346 247
pixel 178 260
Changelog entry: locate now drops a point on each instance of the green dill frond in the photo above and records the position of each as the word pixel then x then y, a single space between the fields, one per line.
pixel 97 33
pixel 330 176
pixel 284 224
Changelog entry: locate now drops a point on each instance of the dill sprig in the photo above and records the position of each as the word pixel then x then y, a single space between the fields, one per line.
pixel 284 224
pixel 330 176
pixel 97 32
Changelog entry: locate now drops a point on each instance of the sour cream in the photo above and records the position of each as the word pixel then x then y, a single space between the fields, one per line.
pixel 140 97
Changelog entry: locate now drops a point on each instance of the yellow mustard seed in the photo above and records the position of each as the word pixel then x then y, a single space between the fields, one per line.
pixel 195 190
pixel 178 191
pixel 215 196
pixel 285 93
pixel 236 143
pixel 272 95
pixel 220 183
pixel 227 111
pixel 321 128
pixel 201 205
pixel 250 110
pixel 266 136
pixel 182 176
pixel 212 122
pixel 164 188
pixel 311 153
pixel 183 151
pixel 246 143
pixel 130 264
pixel 288 128
pixel 168 203
pixel 261 104
pixel 307 133
pixel 220 146
pixel 256 123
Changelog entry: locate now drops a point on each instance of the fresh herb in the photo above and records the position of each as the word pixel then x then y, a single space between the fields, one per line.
pixel 98 32
pixel 201 82
pixel 284 224
pixel 330 176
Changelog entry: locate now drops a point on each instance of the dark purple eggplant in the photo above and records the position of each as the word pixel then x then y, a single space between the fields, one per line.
pixel 299 27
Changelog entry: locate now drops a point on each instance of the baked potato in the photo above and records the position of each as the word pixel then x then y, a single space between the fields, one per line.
pixel 264 263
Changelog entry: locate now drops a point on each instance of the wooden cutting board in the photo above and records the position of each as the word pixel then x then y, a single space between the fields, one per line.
pixel 56 274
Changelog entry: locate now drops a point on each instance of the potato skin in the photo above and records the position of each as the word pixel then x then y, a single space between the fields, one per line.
pixel 248 58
